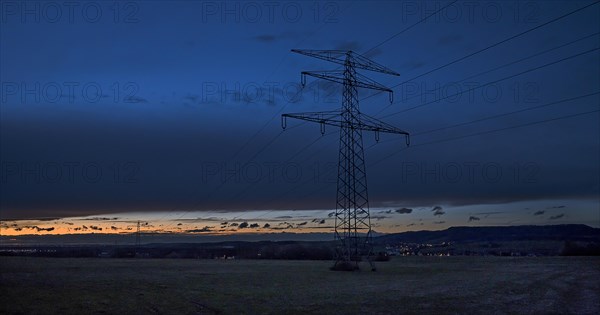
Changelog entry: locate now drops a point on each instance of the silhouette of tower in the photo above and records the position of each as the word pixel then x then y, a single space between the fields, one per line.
pixel 352 218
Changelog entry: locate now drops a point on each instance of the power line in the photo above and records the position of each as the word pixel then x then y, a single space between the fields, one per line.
pixel 244 165
pixel 255 134
pixel 236 197
pixel 464 136
pixel 216 189
pixel 224 182
pixel 496 116
pixel 490 131
pixel 457 138
pixel 492 82
pixel 506 114
pixel 409 27
pixel 509 64
pixel 404 30
pixel 288 160
pixel 262 128
pixel 486 48
pixel 287 103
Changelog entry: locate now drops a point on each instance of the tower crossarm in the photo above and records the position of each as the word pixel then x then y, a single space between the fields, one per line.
pixel 373 124
pixel 337 76
pixel 332 118
pixel 369 123
pixel 336 119
pixel 339 57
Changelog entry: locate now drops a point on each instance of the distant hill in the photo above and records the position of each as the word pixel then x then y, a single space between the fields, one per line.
pixel 465 234
pixel 521 240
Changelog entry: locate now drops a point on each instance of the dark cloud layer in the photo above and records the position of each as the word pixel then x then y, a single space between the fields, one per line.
pixel 176 145
pixel 403 210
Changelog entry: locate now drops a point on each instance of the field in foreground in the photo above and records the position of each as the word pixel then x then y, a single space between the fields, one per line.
pixel 404 285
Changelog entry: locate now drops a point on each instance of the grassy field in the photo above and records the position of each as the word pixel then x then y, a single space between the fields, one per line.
pixel 431 285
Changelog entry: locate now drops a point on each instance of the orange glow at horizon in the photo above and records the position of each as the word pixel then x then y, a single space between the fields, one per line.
pixel 120 224
pixel 220 222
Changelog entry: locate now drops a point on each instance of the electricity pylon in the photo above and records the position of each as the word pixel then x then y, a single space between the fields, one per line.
pixel 352 219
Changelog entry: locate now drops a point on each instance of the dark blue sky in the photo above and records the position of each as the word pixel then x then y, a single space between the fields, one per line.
pixel 150 108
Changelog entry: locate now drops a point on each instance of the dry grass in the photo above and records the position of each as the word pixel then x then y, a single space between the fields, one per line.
pixel 405 285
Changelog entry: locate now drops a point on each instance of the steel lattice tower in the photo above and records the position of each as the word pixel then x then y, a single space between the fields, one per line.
pixel 352 219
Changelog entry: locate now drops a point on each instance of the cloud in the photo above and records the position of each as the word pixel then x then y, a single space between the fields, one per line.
pixel 439 222
pixel 437 210
pixel 487 214
pixel 331 214
pixel 47 219
pixel 243 225
pixel 378 217
pixel 114 228
pixel 95 228
pixel 556 207
pixel 202 230
pixel 234 224
pixel 403 210
pixel 472 218
pixel 99 219
pixel 301 224
pixel 322 221
pixel 35 227
pixel 556 217
pixel 288 226
pixel 540 212
pixel 266 226
pixel 39 229
pixel 254 225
